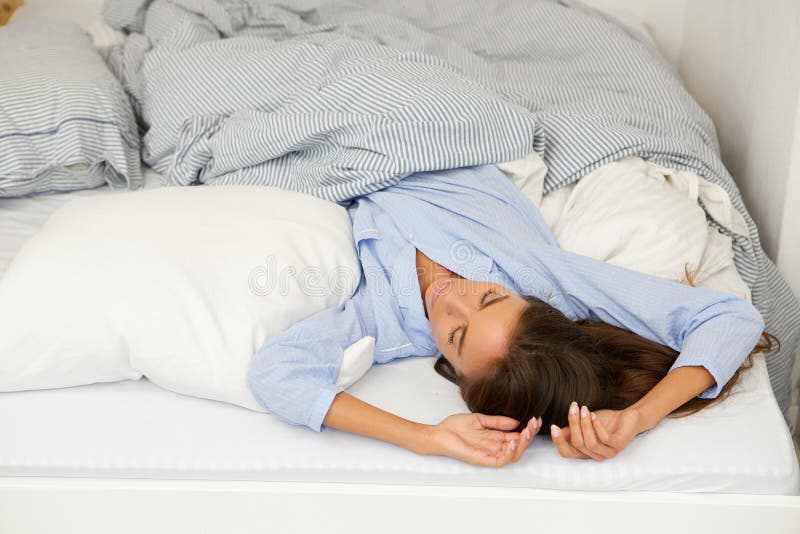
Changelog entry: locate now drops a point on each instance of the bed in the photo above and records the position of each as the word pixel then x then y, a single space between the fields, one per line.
pixel 128 456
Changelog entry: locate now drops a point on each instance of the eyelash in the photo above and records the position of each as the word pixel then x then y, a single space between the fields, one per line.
pixel 483 302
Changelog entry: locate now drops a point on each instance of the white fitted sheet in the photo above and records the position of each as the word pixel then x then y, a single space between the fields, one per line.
pixel 136 429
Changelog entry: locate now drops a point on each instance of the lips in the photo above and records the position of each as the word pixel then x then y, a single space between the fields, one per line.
pixel 439 289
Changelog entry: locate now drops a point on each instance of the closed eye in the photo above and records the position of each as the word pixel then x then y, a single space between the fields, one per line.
pixel 452 334
pixel 481 306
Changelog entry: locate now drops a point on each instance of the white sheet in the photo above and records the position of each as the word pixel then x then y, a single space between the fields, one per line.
pixel 136 429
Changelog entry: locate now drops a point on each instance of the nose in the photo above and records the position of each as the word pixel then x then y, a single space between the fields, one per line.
pixel 454 302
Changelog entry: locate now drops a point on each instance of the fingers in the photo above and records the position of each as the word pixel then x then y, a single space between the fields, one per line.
pixel 605 436
pixel 496 457
pixel 576 441
pixel 515 445
pixel 577 438
pixel 593 444
pixel 494 444
pixel 499 422
pixel 583 436
pixel 561 439
pixel 600 428
pixel 531 429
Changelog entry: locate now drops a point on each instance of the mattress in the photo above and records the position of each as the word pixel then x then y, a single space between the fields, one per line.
pixel 139 430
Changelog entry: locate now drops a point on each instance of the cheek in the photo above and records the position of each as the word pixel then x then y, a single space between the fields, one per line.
pixel 435 329
pixel 439 333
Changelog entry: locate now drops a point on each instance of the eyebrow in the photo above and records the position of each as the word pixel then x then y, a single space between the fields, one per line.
pixel 464 333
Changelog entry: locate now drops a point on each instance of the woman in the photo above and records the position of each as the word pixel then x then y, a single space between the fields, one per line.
pixel 460 263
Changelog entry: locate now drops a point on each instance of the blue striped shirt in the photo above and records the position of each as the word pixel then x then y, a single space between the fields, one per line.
pixel 476 223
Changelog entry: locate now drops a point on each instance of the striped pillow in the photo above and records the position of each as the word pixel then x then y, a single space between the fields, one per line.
pixel 65 121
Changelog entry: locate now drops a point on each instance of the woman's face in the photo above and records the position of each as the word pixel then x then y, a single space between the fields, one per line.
pixel 472 322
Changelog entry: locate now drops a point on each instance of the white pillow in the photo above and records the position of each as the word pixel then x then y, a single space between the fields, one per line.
pixel 180 284
pixel 622 216
pixel 639 215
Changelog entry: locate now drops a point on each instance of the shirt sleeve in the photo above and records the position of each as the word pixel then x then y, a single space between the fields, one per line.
pixel 293 374
pixel 708 328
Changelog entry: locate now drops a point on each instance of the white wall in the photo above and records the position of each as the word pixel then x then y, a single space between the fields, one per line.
pixel 789 243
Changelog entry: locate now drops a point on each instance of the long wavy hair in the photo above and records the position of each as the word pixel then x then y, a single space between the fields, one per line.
pixel 553 361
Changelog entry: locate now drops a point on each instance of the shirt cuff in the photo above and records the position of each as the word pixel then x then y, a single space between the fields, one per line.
pixel 320 408
pixel 713 390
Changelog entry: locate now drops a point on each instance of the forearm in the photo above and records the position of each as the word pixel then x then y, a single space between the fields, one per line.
pixel 350 414
pixel 676 388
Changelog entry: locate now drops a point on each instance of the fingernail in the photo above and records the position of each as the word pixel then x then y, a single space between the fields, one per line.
pixel 527 434
pixel 555 431
pixel 573 408
pixel 513 444
pixel 534 423
pixel 584 412
pixel 539 423
pixel 593 416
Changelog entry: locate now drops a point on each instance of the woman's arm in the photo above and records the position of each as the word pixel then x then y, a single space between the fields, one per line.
pixel 713 332
pixel 350 414
pixel 712 329
pixel 675 389
pixel 475 438
pixel 601 435
pixel 294 376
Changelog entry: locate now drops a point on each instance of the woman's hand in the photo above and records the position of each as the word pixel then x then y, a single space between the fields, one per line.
pixel 599 435
pixel 478 439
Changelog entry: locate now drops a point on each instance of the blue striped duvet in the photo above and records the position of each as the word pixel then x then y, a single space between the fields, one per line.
pixel 339 98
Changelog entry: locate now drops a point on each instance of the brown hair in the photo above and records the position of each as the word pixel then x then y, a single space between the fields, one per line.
pixel 554 361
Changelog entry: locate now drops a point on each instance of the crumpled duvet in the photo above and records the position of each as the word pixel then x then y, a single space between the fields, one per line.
pixel 340 98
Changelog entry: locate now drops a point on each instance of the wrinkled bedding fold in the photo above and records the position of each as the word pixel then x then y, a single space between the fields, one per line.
pixel 341 98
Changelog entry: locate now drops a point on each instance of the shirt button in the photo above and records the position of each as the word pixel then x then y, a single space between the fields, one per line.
pixel 411 236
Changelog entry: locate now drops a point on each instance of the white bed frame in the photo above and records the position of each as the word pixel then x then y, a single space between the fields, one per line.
pixel 108 505
pixel 121 506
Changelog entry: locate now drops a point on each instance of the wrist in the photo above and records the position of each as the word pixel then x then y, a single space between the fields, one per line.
pixel 646 417
pixel 425 440
pixel 677 387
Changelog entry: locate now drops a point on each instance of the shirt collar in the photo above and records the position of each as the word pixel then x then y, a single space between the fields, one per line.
pixel 405 285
